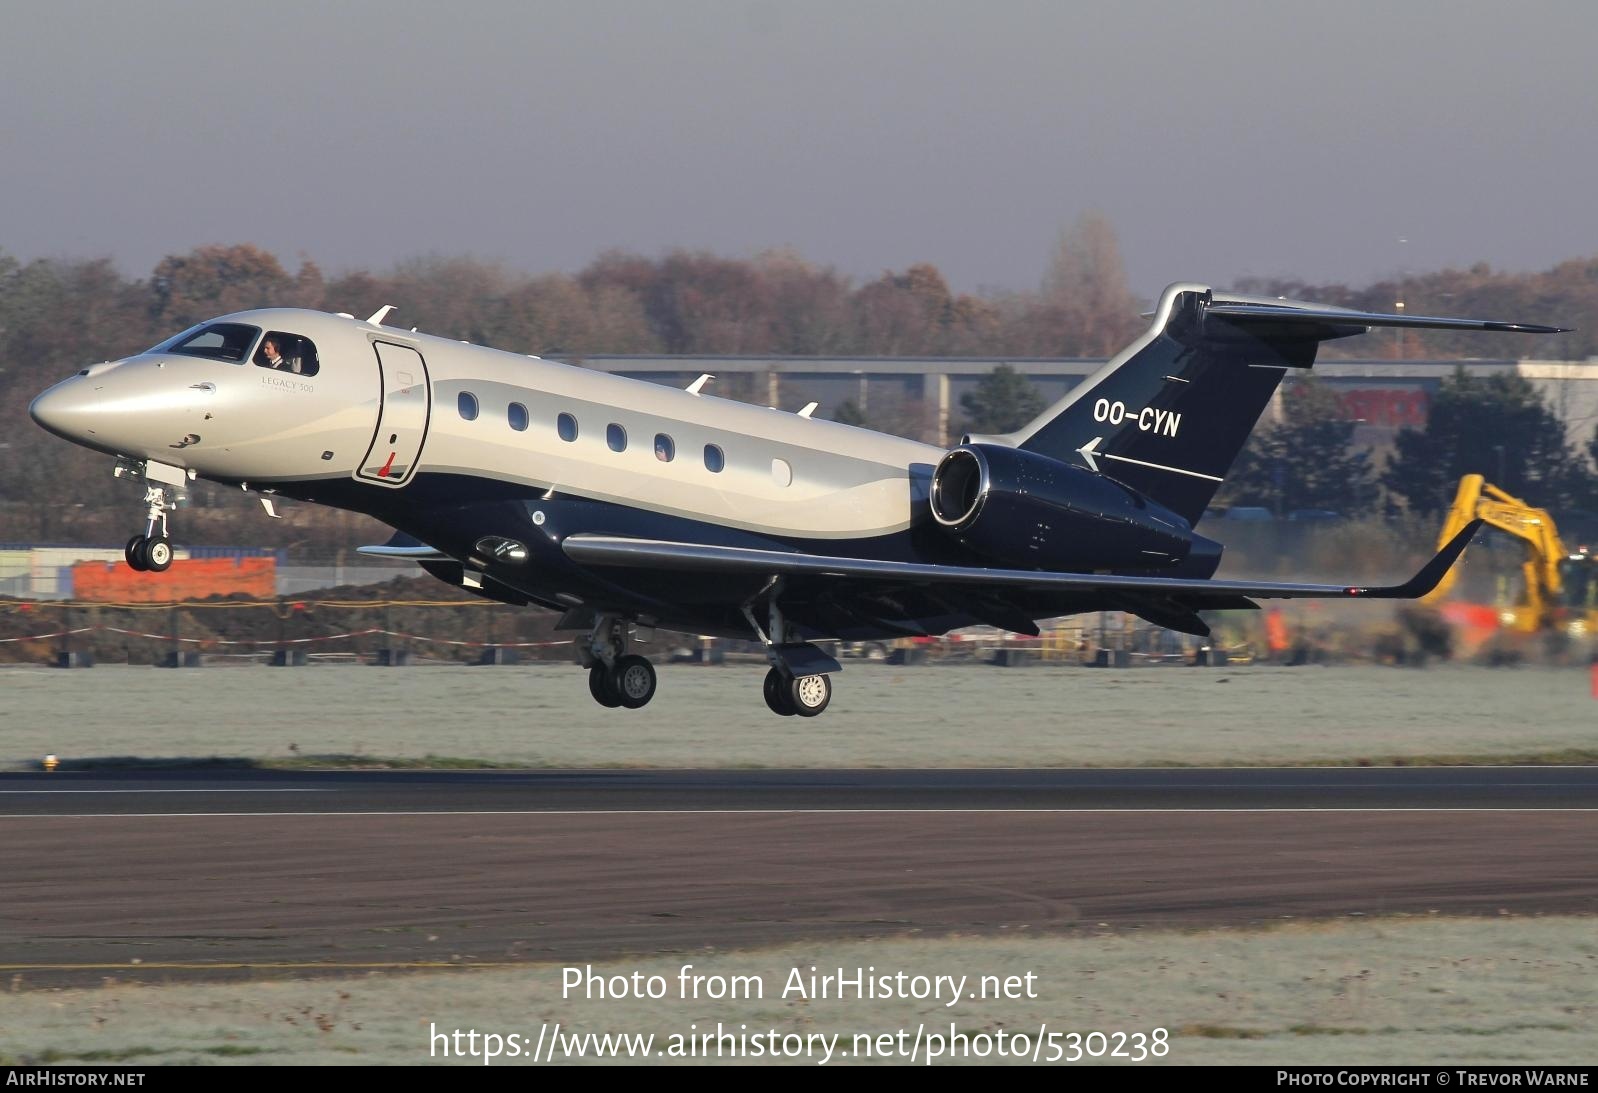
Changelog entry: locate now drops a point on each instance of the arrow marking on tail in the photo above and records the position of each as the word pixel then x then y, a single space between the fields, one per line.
pixel 1086 451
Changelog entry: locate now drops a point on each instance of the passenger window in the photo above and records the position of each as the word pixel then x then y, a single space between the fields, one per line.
pixel 227 342
pixel 616 437
pixel 467 405
pixel 517 414
pixel 781 472
pixel 665 448
pixel 566 425
pixel 285 352
pixel 715 459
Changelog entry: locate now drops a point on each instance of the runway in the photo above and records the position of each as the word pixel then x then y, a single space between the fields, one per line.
pixel 195 792
pixel 181 874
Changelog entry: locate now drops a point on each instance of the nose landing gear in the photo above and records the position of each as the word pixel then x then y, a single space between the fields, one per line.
pixel 148 554
pixel 151 552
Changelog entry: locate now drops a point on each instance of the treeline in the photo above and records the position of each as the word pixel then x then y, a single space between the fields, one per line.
pixel 1498 426
pixel 57 315
pixel 1566 295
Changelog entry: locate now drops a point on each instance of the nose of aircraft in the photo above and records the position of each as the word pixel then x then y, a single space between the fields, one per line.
pixel 63 409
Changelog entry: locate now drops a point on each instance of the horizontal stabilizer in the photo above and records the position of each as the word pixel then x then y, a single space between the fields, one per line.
pixel 1245 314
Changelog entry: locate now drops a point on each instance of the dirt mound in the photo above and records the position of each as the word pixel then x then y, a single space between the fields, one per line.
pixel 417 615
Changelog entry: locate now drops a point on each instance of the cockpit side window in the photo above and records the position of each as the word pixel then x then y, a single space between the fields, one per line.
pixel 287 353
pixel 229 342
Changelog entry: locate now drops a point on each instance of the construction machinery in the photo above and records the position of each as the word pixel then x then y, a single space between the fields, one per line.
pixel 1560 588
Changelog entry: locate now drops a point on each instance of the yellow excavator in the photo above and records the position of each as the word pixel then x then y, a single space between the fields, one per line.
pixel 1561 585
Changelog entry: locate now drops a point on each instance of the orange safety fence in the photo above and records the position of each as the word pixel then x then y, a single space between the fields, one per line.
pixel 278 642
pixel 189 578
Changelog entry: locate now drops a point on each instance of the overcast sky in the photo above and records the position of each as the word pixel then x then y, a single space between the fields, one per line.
pixel 1222 138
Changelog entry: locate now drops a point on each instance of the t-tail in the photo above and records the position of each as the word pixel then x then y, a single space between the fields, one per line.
pixel 1168 415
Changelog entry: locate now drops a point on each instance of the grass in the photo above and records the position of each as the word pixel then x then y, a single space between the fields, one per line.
pixel 1222 1032
pixel 1407 990
pixel 541 716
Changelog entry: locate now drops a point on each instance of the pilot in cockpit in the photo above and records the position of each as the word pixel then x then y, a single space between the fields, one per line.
pixel 272 357
pixel 286 352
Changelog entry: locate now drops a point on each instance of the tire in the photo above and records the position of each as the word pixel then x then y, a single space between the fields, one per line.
pixel 810 694
pixel 599 687
pixel 157 554
pixel 775 690
pixel 632 681
pixel 134 553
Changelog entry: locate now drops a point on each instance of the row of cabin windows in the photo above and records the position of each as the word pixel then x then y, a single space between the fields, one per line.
pixel 615 436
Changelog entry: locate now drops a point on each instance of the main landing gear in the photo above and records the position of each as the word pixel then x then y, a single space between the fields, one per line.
pixel 787 695
pixel 797 682
pixel 615 676
pixel 151 552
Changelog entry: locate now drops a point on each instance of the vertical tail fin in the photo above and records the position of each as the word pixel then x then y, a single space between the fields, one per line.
pixel 1168 414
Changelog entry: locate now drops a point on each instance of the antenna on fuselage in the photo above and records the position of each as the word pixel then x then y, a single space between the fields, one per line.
pixel 380 314
pixel 695 387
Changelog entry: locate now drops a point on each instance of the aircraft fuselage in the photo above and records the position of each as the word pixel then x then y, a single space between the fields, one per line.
pixel 625 503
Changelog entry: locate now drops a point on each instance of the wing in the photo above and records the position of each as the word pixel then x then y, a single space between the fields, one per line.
pixel 1167 601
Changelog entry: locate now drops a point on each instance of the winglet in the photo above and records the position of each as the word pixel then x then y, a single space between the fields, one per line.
pixel 698 385
pixel 380 314
pixel 1430 573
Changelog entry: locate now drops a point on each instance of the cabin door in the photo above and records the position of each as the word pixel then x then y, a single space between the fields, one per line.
pixel 401 417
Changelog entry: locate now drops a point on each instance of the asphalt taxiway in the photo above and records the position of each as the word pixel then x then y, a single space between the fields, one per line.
pixel 167 874
pixel 192 791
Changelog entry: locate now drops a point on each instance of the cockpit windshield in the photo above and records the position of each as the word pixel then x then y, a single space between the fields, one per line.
pixel 228 342
pixel 162 347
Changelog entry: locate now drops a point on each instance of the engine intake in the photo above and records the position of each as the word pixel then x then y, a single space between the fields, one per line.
pixel 1031 511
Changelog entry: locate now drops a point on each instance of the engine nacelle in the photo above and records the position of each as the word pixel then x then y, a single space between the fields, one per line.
pixel 1027 510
